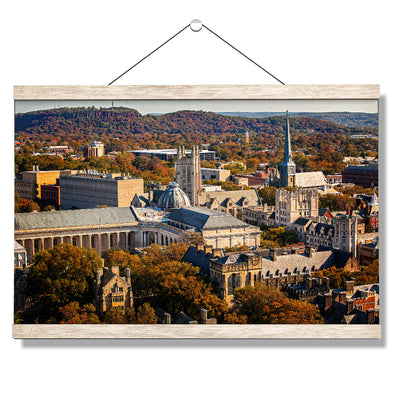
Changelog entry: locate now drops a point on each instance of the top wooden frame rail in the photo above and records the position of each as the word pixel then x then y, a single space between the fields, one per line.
pixel 194 92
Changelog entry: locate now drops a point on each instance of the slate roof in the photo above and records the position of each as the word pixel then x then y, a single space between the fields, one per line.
pixel 18 248
pixel 237 197
pixel 233 258
pixel 297 262
pixel 301 221
pixel 182 318
pixel 204 218
pixel 198 259
pixel 310 179
pixel 70 218
pixel 341 256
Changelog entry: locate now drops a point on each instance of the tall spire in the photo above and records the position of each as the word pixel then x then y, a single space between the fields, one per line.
pixel 287 168
pixel 287 158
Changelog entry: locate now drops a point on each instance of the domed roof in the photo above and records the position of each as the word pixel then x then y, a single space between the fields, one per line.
pixel 173 198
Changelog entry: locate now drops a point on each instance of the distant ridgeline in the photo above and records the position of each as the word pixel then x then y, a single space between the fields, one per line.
pixel 185 126
pixel 352 119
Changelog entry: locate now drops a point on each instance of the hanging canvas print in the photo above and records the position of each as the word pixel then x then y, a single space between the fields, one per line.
pixel 197 212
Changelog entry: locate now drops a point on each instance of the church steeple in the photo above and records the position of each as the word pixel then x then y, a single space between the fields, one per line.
pixel 287 158
pixel 287 168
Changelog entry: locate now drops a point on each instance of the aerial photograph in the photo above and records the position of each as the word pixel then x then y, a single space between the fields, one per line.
pixel 196 212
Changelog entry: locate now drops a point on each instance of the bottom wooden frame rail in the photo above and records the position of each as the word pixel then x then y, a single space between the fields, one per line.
pixel 37 331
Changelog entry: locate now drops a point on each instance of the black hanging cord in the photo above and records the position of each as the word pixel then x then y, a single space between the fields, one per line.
pixel 148 55
pixel 176 34
pixel 244 55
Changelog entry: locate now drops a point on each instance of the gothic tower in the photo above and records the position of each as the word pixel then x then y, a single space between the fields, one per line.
pixel 287 168
pixel 188 175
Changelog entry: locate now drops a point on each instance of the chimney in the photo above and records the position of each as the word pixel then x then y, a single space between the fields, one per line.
pixel 273 254
pixel 327 301
pixel 208 249
pixel 203 316
pixel 350 306
pixel 216 253
pixel 342 297
pixel 98 277
pixel 308 283
pixel 128 275
pixel 199 247
pixel 326 282
pixel 167 318
pixel 309 251
pixel 114 270
pixel 370 316
pixel 349 287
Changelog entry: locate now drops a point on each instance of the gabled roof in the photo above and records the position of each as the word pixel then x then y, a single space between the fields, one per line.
pixel 182 318
pixel 310 179
pixel 204 218
pixel 237 197
pixel 298 262
pixel 301 221
pixel 70 218
pixel 198 259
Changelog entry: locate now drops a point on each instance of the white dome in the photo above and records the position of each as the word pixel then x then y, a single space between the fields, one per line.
pixel 173 198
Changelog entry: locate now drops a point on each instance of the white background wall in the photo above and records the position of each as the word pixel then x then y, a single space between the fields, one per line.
pixel 301 42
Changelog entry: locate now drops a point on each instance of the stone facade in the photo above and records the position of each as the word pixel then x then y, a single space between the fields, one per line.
pixel 28 183
pixel 292 205
pixel 215 173
pixel 218 229
pixel 233 271
pixel 92 189
pixel 94 149
pixel 112 290
pixel 232 202
pixel 257 215
pixel 188 175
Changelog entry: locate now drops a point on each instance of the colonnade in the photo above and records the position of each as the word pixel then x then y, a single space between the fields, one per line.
pixel 99 241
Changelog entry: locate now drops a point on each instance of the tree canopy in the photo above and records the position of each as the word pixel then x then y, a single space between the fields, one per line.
pixel 262 304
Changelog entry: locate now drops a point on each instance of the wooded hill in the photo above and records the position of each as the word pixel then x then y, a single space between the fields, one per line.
pixel 124 128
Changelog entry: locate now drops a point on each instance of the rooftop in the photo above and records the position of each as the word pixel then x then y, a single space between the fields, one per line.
pixel 69 218
pixel 204 218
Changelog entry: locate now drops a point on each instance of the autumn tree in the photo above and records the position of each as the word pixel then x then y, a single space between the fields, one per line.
pixel 73 313
pixel 60 276
pixel 262 304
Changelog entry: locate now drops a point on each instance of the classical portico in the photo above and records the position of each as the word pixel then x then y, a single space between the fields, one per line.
pixel 100 229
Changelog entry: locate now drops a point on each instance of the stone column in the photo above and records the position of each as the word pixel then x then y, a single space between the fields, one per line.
pixel 86 241
pixel 67 239
pixel 28 244
pixel 47 243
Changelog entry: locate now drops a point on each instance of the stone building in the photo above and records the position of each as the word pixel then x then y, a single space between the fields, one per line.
pixel 287 175
pixel 232 202
pixel 289 206
pixel 257 215
pixel 112 290
pixel 362 175
pixel 28 183
pixel 94 149
pixel 234 271
pixel 368 252
pixel 188 175
pixel 173 198
pixel 126 228
pixel 218 174
pixel 89 189
pixel 98 228
pixel 218 229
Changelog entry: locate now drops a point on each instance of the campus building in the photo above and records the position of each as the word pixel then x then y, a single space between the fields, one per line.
pixel 89 189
